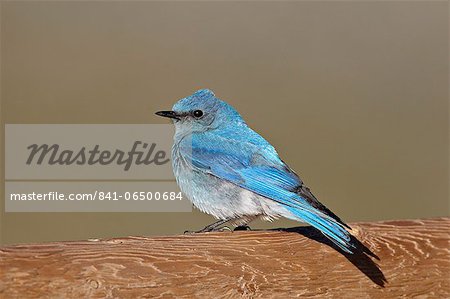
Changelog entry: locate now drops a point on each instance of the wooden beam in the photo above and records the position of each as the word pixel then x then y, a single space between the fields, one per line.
pixel 414 261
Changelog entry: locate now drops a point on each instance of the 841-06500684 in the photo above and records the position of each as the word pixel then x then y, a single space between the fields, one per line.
pixel 137 195
pixel 96 195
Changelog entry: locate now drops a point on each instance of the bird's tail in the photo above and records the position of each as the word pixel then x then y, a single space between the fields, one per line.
pixel 327 225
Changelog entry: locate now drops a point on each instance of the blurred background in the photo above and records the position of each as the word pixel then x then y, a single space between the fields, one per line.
pixel 354 95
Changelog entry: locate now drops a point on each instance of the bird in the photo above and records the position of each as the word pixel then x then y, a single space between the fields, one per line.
pixel 229 171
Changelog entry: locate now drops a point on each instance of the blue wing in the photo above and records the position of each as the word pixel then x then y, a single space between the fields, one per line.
pixel 253 164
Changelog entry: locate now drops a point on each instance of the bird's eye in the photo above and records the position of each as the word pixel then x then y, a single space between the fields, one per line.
pixel 198 113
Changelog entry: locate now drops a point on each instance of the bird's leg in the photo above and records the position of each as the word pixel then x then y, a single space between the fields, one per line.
pixel 216 226
pixel 212 227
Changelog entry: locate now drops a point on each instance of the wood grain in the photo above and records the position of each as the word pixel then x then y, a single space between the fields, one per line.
pixel 414 262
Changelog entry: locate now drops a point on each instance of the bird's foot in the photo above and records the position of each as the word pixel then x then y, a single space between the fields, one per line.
pixel 242 227
pixel 208 230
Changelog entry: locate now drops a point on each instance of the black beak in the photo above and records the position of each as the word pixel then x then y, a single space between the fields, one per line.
pixel 169 114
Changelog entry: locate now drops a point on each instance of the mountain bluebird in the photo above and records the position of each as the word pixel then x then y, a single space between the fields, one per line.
pixel 229 171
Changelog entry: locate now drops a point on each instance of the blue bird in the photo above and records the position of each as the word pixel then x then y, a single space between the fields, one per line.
pixel 229 171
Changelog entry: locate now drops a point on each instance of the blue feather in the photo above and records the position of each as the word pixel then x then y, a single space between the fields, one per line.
pixel 226 156
pixel 234 162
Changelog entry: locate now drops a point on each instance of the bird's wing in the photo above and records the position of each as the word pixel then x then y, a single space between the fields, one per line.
pixel 257 168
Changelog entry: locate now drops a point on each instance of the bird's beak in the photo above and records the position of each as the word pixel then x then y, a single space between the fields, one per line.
pixel 169 114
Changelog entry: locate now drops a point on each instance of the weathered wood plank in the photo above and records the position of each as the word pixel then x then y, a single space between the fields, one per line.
pixel 414 263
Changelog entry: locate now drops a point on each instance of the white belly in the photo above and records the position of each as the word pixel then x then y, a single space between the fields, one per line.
pixel 222 199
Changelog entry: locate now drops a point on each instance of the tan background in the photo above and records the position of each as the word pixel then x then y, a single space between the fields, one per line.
pixel 354 95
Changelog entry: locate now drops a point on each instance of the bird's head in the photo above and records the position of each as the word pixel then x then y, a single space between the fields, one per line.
pixel 202 111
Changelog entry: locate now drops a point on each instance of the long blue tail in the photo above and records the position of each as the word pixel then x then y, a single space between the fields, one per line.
pixel 327 225
pixel 300 208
